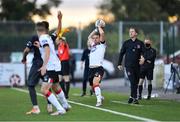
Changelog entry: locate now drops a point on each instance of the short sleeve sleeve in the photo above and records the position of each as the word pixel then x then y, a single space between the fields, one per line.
pixel 43 41
pixel 29 44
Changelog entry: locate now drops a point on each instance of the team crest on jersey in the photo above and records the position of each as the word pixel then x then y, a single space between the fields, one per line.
pixel 138 46
pixel 44 41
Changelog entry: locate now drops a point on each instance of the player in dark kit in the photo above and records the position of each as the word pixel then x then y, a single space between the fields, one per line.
pixel 34 74
pixel 132 49
pixel 85 63
pixel 147 68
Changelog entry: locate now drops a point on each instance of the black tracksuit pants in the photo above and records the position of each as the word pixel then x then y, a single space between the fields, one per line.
pixel 133 75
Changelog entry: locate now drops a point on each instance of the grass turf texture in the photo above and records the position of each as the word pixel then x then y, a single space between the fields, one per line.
pixel 14 104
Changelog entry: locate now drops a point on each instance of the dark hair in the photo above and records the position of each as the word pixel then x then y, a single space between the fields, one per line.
pixel 97 33
pixel 46 24
pixel 136 30
pixel 43 24
pixel 147 38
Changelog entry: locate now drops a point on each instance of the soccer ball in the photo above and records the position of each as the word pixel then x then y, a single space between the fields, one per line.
pixel 100 23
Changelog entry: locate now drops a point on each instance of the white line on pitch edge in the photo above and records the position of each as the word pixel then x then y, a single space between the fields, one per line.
pixel 102 109
pixel 124 103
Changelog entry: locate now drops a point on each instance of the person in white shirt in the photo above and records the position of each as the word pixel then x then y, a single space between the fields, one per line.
pixel 97 45
pixel 51 65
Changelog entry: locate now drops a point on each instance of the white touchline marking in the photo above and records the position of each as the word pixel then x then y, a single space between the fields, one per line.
pixel 78 95
pixel 127 103
pixel 97 108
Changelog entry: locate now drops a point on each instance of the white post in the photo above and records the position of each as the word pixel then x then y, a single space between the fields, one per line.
pixel 120 34
pixel 161 37
pixel 79 36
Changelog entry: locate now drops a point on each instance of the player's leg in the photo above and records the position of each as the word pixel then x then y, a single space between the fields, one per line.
pixel 67 82
pixel 131 77
pixel 46 85
pixel 141 81
pixel 59 92
pixel 136 80
pixel 33 79
pixel 84 84
pixel 49 105
pixel 90 78
pixel 149 79
pixel 140 88
pixel 61 81
pixel 98 74
pixel 65 73
pixel 61 96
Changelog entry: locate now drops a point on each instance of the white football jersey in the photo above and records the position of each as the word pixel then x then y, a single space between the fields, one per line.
pixel 53 62
pixel 97 53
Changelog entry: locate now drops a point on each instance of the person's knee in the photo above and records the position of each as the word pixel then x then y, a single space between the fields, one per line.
pixel 96 81
pixel 66 78
pixel 60 77
pixel 55 87
pixel 30 88
pixel 141 81
pixel 45 88
pixel 149 82
pixel 44 91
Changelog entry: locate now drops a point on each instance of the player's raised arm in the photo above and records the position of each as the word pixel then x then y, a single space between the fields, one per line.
pixel 59 16
pixel 92 33
pixel 101 32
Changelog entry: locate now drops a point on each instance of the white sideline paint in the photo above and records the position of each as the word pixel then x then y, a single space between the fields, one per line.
pixel 97 108
pixel 120 102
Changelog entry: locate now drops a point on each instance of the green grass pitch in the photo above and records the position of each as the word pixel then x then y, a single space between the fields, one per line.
pixel 14 104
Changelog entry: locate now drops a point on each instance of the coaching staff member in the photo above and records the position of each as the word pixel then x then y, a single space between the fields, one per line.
pixel 132 49
pixel 146 69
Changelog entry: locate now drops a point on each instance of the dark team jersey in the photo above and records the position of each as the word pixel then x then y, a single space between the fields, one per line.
pixel 35 50
pixel 85 57
pixel 149 55
pixel 132 51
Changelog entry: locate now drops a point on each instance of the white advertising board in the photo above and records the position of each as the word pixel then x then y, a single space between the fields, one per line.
pixel 12 74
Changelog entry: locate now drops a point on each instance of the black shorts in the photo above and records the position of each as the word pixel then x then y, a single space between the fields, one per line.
pixel 34 74
pixel 148 73
pixel 65 67
pixel 95 72
pixel 51 77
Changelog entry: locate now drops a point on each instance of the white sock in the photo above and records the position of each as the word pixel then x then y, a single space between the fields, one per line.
pixel 98 93
pixel 36 107
pixel 55 102
pixel 62 99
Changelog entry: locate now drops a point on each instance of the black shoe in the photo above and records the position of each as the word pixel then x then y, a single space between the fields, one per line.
pixel 139 97
pixel 130 100
pixel 67 97
pixel 83 94
pixel 135 101
pixel 148 98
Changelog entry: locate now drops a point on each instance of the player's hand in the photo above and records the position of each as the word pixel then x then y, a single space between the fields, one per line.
pixel 36 44
pixel 120 67
pixel 43 70
pixel 59 16
pixel 141 60
pixel 23 60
